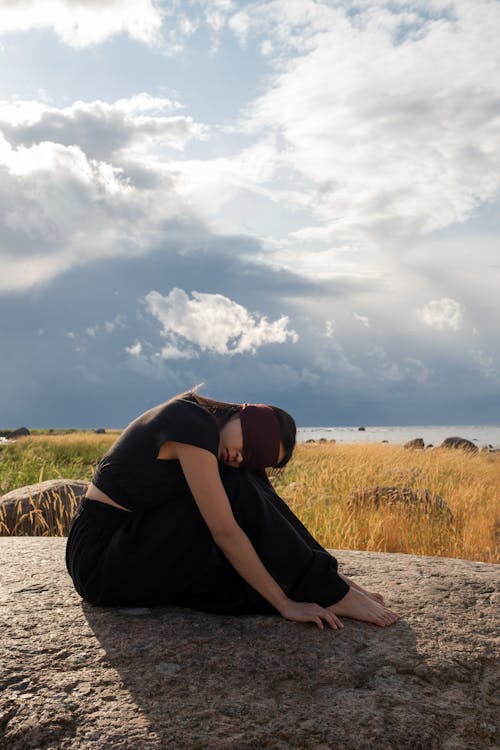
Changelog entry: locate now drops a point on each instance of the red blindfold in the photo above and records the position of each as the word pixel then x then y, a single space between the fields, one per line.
pixel 261 436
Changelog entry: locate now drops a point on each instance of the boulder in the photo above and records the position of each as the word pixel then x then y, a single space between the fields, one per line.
pixel 38 508
pixel 419 499
pixel 89 678
pixel 415 444
pixel 459 442
pixel 489 449
pixel 19 432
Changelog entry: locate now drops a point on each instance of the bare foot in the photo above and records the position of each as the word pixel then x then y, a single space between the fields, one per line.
pixel 373 595
pixel 358 606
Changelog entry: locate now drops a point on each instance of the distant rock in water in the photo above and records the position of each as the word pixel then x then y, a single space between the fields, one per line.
pixel 416 444
pixel 416 498
pixel 489 449
pixel 20 432
pixel 458 442
pixel 33 509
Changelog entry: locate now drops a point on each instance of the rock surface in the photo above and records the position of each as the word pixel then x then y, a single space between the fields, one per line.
pixel 75 677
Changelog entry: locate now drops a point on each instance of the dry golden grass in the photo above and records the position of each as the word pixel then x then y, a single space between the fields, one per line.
pixel 49 516
pixel 316 484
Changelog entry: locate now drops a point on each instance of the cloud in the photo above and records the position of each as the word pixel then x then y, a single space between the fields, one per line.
pixel 484 363
pixel 80 23
pixel 362 319
pixel 329 329
pixel 60 210
pixel 108 327
pixel 76 184
pixel 134 349
pixel 215 184
pixel 409 373
pixel 212 323
pixel 217 13
pixel 100 129
pixel 441 313
pixel 369 108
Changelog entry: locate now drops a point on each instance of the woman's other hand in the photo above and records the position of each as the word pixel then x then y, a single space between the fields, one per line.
pixel 309 612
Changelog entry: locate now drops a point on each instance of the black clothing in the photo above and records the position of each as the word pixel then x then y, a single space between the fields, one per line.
pixel 163 552
pixel 131 474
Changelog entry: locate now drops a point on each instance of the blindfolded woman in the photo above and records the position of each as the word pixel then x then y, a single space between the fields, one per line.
pixel 180 511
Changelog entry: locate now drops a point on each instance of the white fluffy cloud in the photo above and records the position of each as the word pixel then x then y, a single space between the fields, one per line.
pixel 212 323
pixel 390 112
pixel 441 313
pixel 83 22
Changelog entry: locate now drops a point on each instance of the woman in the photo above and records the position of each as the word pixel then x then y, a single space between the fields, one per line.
pixel 180 511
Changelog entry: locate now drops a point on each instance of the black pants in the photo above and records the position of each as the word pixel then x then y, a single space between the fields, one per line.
pixel 166 555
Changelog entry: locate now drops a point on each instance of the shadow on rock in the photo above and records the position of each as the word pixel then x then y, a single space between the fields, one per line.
pixel 209 681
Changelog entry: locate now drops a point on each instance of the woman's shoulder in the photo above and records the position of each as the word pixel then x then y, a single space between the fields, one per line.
pixel 184 420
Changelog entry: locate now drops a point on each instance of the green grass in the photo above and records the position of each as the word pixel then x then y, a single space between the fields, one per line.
pixel 36 458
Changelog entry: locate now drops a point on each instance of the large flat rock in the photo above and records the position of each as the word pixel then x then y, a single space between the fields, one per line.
pixel 77 677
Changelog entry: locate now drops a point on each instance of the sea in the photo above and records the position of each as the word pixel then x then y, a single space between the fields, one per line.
pixel 480 435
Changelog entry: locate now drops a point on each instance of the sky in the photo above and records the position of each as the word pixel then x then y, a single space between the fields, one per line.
pixel 290 201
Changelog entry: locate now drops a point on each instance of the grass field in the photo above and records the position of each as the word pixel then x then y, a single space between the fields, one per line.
pixel 316 484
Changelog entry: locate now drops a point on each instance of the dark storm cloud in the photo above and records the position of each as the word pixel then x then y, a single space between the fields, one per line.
pixel 65 361
pixel 64 345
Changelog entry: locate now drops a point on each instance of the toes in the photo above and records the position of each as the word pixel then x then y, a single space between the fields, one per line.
pixel 385 617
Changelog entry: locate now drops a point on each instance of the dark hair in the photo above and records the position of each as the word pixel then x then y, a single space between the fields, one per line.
pixel 288 434
pixel 222 411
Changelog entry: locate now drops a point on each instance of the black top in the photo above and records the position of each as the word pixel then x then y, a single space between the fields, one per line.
pixel 131 474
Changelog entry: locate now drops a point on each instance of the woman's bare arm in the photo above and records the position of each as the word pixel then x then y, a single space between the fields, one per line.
pixel 201 470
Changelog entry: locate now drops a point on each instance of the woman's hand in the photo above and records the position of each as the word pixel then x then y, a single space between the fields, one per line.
pixel 309 612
